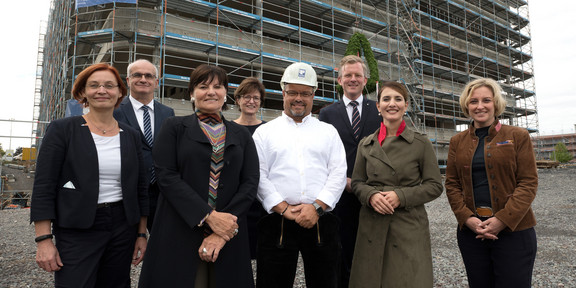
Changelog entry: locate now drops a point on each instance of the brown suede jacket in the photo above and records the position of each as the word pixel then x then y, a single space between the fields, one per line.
pixel 511 171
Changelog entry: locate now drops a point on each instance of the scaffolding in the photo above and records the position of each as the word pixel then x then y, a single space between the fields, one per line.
pixel 433 46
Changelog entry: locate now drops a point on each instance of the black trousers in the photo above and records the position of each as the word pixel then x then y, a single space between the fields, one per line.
pixel 99 256
pixel 348 212
pixel 279 242
pixel 506 262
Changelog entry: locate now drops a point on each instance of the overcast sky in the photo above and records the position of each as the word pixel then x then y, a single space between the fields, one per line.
pixel 553 44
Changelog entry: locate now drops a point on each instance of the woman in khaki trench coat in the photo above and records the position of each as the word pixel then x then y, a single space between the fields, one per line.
pixel 396 173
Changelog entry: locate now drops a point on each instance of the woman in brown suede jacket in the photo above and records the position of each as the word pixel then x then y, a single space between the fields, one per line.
pixel 491 181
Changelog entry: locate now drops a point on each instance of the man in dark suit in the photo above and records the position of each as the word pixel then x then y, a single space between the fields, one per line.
pixel 355 117
pixel 143 80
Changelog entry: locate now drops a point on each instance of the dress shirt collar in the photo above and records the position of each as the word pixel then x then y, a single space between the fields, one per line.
pixel 137 104
pixel 290 120
pixel 348 100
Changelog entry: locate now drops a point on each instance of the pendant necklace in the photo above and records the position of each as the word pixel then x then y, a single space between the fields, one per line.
pixel 104 130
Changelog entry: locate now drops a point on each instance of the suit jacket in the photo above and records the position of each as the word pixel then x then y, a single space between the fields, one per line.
pixel 336 115
pixel 68 154
pixel 182 156
pixel 125 114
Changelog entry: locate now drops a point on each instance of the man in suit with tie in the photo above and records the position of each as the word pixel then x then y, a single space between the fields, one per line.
pixel 354 116
pixel 145 114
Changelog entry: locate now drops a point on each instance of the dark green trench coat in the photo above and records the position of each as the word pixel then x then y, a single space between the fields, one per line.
pixel 394 250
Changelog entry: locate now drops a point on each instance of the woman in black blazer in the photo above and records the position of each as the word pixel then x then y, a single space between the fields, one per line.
pixel 208 174
pixel 90 190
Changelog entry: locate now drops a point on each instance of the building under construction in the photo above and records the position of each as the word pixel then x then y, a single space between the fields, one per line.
pixel 433 46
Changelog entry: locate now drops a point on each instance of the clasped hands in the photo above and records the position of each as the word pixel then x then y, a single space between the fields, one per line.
pixel 225 228
pixel 303 214
pixel 487 229
pixel 384 202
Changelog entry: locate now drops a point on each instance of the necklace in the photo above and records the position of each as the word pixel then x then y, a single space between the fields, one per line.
pixel 105 130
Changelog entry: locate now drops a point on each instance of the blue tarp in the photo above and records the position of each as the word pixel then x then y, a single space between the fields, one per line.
pixel 86 3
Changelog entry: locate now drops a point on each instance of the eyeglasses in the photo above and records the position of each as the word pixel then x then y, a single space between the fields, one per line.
pixel 304 94
pixel 148 76
pixel 96 86
pixel 247 98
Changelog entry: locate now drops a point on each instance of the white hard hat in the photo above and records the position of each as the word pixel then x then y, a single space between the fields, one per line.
pixel 299 73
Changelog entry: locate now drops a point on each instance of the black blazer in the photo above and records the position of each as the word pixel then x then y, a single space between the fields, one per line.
pixel 125 114
pixel 336 115
pixel 68 154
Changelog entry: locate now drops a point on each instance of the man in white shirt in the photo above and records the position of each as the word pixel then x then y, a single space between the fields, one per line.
pixel 142 79
pixel 302 176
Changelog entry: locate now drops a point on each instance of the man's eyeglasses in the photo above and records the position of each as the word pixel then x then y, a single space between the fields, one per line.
pixel 304 94
pixel 148 76
pixel 247 98
pixel 95 86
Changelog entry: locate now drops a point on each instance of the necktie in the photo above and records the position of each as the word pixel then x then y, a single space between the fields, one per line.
pixel 148 136
pixel 355 119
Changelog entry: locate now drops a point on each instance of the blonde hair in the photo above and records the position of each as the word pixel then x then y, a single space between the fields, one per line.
pixel 353 59
pixel 499 101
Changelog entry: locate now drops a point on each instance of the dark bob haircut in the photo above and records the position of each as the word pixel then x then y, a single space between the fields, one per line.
pixel 205 74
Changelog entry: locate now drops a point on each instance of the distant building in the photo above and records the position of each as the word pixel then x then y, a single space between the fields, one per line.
pixel 544 145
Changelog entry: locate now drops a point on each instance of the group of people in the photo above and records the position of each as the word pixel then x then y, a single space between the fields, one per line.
pixel 346 191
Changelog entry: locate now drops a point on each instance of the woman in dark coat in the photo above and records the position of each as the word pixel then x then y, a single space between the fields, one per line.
pixel 208 177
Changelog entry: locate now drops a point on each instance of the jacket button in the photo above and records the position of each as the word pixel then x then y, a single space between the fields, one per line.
pixel 488 147
pixel 494 187
pixel 489 166
pixel 491 176
pixel 221 185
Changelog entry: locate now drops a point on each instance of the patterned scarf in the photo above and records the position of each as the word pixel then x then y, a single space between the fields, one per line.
pixel 215 130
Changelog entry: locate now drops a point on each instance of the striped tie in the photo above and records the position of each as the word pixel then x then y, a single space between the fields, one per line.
pixel 148 136
pixel 355 119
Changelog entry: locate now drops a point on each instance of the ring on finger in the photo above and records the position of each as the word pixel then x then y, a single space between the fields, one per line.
pixel 235 231
pixel 204 251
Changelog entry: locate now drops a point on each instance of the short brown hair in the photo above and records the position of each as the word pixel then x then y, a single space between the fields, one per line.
pixel 205 74
pixel 248 85
pixel 396 86
pixel 499 101
pixel 80 83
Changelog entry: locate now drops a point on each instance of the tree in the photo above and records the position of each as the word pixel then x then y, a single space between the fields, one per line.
pixel 2 152
pixel 561 154
pixel 359 45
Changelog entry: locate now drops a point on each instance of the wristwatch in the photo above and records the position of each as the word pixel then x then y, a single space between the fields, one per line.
pixel 318 208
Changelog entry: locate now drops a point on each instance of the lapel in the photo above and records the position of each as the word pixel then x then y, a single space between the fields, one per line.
pixel 126 161
pixel 375 150
pixel 158 118
pixel 341 108
pixel 128 110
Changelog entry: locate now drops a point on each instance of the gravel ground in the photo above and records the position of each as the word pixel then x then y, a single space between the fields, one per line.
pixel 555 263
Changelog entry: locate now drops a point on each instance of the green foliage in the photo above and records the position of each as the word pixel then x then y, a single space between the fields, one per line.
pixel 561 153
pixel 359 45
pixel 2 152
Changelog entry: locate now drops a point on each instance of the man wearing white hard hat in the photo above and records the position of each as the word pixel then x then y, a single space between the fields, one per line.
pixel 302 176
